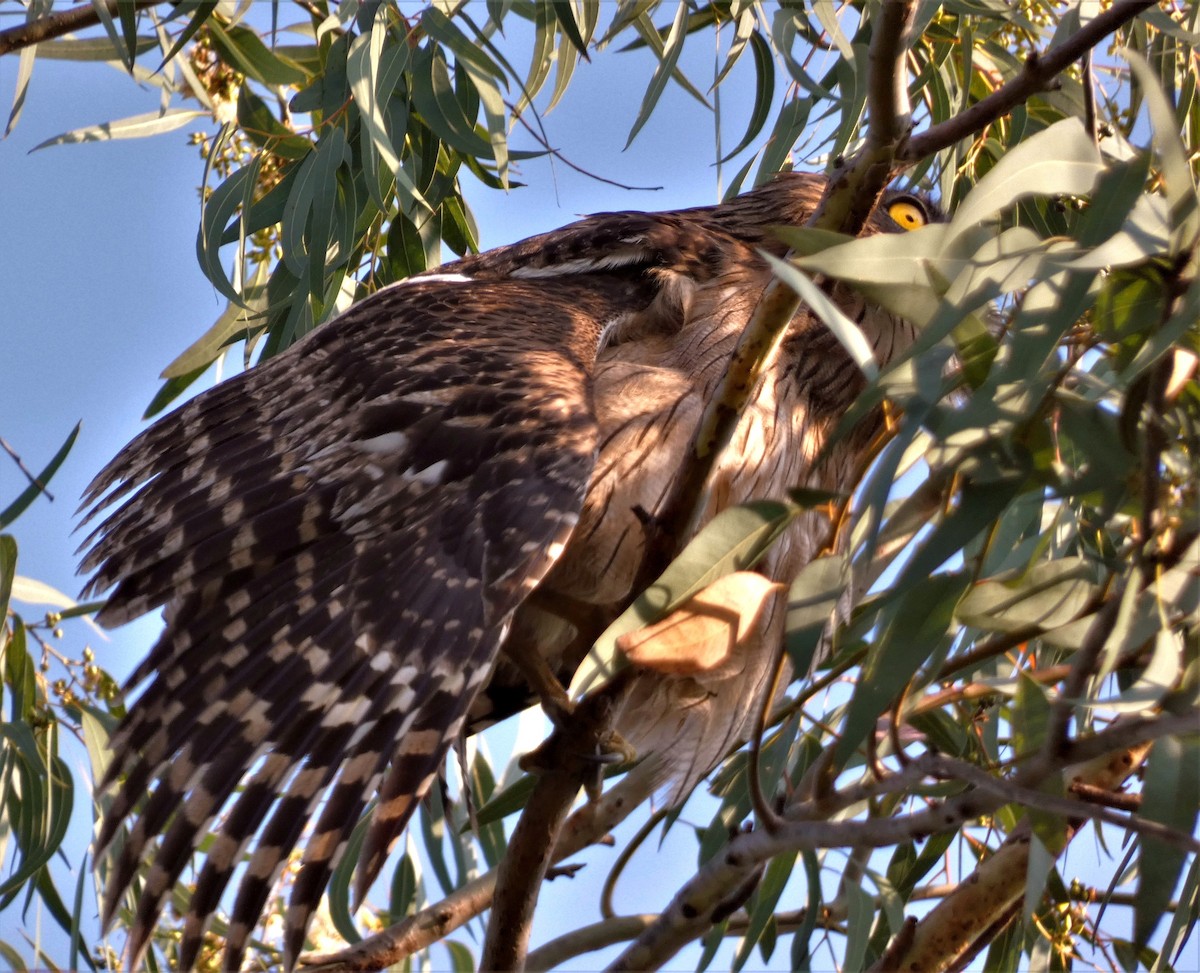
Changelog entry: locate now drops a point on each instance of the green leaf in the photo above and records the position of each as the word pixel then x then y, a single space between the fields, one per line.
pixel 1177 170
pixel 405 885
pixel 232 323
pixel 566 22
pixel 34 490
pixel 669 57
pixel 461 960
pixel 434 97
pixel 374 73
pixel 849 334
pixel 243 49
pixel 1037 872
pixel 8 573
pixel 339 883
pixel 860 914
pixel 44 802
pixel 170 391
pixel 1171 796
pixel 405 248
pixel 914 627
pixel 219 210
pixel 789 123
pixel 764 93
pixel 509 801
pixel 801 942
pixel 733 541
pixel 762 907
pixel 1030 727
pixel 24 72
pixel 979 506
pixel 812 601
pixel 127 13
pixel 264 129
pixel 87 48
pixel 1050 594
pixel 204 10
pixel 1060 159
pixel 1183 921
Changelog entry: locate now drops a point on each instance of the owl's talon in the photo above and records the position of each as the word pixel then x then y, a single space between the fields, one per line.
pixel 612 750
pixel 615 749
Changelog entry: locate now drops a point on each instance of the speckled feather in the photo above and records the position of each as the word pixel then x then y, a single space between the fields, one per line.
pixel 344 537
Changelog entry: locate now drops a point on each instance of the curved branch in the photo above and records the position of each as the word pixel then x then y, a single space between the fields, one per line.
pixel 587 826
pixel 55 25
pixel 981 906
pixel 1039 73
pixel 689 914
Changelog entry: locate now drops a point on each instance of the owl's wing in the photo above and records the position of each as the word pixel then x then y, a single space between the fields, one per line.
pixel 340 537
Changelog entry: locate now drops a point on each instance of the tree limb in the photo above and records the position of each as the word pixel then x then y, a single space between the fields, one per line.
pixel 564 763
pixel 56 24
pixel 1070 808
pixel 1039 72
pixel 588 825
pixel 1118 752
pixel 987 900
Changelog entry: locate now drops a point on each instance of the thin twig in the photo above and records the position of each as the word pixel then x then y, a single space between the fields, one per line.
pixel 971 916
pixel 1073 810
pixel 33 480
pixel 23 468
pixel 541 139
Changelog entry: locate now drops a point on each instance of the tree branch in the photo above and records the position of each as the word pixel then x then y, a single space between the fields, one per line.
pixel 588 825
pixel 1039 72
pixel 1117 751
pixel 56 24
pixel 985 902
pixel 565 763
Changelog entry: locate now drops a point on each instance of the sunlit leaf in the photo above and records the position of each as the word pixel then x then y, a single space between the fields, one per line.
pixel 134 127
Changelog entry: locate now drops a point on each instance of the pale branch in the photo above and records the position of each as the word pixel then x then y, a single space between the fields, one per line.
pixel 841 209
pixel 412 934
pixel 587 826
pixel 1038 74
pixel 1096 795
pixel 690 913
pixel 1130 733
pixel 983 903
pixel 889 111
pixel 588 939
pixel 618 929
pixel 56 24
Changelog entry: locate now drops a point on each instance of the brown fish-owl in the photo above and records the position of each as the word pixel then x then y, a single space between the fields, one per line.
pixel 351 538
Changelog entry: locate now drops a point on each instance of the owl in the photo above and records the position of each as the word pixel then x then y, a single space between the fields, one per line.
pixel 356 542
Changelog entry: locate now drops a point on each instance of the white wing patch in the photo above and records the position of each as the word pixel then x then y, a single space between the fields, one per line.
pixel 584 265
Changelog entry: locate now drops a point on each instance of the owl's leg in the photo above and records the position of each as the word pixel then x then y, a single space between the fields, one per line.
pixel 542 680
pixel 586 744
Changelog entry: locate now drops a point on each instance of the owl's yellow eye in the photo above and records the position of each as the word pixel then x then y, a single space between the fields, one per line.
pixel 907 214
